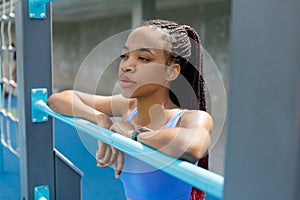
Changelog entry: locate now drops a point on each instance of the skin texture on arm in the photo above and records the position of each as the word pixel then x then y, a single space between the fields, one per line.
pixel 189 141
pixel 87 106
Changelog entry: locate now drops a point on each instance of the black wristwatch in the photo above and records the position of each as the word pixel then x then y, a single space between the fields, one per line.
pixel 137 131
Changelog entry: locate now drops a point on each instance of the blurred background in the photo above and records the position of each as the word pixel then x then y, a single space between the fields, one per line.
pixel 255 48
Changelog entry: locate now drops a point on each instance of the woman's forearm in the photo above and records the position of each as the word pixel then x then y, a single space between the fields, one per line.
pixel 186 144
pixel 68 103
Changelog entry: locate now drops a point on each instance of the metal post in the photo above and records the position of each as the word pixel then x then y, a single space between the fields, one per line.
pixel 262 156
pixel 1 157
pixel 34 50
pixel 142 10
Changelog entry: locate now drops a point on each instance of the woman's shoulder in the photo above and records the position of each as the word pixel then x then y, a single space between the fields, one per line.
pixel 196 118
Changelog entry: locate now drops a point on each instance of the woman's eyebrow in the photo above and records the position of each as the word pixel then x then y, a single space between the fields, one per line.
pixel 139 49
pixel 145 49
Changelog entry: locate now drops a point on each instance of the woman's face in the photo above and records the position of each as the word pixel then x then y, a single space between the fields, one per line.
pixel 142 69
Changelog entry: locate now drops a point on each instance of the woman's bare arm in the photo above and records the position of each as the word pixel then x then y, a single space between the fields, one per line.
pixel 190 141
pixel 87 106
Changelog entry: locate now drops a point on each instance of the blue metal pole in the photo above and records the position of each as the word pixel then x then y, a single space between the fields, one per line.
pixel 1 158
pixel 1 146
pixel 34 50
pixel 201 178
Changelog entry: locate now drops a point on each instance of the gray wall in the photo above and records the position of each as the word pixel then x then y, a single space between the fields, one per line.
pixel 262 154
pixel 74 40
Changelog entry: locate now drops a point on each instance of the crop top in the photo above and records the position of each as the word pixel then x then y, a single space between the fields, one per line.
pixel 144 182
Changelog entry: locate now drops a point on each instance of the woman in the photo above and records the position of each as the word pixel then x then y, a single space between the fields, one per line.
pixel 157 55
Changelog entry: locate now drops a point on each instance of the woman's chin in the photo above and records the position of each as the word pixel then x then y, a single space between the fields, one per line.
pixel 127 94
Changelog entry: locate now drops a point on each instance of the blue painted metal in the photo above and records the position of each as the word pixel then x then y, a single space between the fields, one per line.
pixel 1 158
pixel 1 146
pixel 200 178
pixel 38 116
pixel 37 161
pixel 42 192
pixel 37 8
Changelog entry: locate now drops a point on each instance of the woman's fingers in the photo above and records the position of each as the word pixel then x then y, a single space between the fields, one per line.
pixel 99 159
pixel 100 153
pixel 102 147
pixel 120 164
pixel 109 158
pixel 105 160
pixel 113 157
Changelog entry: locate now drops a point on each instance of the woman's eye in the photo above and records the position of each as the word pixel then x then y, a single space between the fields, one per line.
pixel 144 59
pixel 123 56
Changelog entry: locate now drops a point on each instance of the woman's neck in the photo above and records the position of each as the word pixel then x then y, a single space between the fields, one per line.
pixel 152 109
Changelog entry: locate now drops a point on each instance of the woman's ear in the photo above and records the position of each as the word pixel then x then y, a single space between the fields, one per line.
pixel 173 71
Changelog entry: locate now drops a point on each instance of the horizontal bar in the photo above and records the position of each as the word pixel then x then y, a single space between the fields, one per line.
pixel 200 178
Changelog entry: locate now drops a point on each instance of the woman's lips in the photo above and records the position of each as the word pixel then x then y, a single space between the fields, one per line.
pixel 126 82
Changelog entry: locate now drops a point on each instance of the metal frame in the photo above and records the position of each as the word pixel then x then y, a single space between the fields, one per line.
pixel 34 50
pixel 1 158
pixel 41 167
pixel 262 156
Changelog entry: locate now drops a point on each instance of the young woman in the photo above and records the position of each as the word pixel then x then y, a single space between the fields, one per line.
pixel 162 105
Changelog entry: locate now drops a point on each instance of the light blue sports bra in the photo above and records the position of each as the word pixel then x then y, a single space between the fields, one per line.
pixel 144 182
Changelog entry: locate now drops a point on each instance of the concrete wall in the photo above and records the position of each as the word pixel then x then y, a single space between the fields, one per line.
pixel 74 40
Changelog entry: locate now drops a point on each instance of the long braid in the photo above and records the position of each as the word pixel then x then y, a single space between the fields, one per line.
pixel 197 194
pixel 185 48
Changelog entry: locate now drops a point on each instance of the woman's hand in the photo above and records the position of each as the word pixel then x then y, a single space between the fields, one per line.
pixel 104 121
pixel 107 155
pixel 123 127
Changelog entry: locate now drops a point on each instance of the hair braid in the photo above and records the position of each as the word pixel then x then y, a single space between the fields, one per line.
pixel 197 194
pixel 198 61
pixel 185 48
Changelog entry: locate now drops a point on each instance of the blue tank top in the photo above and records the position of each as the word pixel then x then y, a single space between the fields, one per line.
pixel 143 182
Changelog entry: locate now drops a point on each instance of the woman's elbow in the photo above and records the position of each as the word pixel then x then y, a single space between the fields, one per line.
pixel 198 148
pixel 55 101
pixel 52 100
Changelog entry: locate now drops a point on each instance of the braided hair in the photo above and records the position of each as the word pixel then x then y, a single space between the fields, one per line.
pixel 184 47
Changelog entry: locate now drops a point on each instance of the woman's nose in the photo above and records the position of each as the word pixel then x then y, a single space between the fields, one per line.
pixel 128 69
pixel 128 66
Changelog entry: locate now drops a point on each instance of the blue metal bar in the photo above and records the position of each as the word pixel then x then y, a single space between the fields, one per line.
pixel 201 178
pixel 1 157
pixel 1 131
